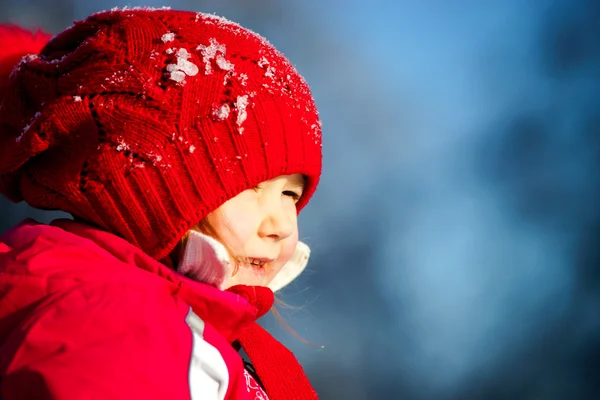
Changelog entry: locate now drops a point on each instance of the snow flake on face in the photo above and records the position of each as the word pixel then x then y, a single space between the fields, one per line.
pixel 210 52
pixel 168 37
pixel 243 79
pixel 77 99
pixel 240 106
pixel 183 67
pixel 170 51
pixel 221 113
pixel 192 148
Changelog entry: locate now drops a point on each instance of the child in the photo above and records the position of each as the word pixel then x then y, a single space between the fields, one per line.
pixel 184 146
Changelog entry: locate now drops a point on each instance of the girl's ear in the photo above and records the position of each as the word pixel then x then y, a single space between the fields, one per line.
pixel 205 260
pixel 291 269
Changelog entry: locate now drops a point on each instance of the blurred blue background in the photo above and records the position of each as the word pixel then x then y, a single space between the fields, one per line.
pixel 454 233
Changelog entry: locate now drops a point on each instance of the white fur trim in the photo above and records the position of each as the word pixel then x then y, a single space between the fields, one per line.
pixel 207 260
pixel 292 269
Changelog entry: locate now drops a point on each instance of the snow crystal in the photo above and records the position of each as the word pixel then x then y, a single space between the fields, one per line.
pixel 263 62
pixel 228 76
pixel 240 105
pixel 222 112
pixel 225 23
pixel 210 52
pixel 183 67
pixel 123 146
pixel 236 29
pixel 115 78
pixel 22 133
pixel 270 71
pixel 177 76
pixel 192 148
pixel 26 128
pixel 155 158
pixel 170 51
pixel 58 60
pixel 212 18
pixel 243 79
pixel 77 98
pixel 168 37
pixel 224 64
pixel 128 8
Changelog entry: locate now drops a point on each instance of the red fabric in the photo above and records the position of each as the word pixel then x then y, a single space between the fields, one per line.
pixel 278 369
pixel 261 297
pixel 17 42
pixel 87 315
pixel 99 124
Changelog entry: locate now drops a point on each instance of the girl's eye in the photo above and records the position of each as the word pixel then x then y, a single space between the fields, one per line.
pixel 292 194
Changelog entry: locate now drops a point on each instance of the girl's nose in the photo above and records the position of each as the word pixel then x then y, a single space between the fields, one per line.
pixel 277 224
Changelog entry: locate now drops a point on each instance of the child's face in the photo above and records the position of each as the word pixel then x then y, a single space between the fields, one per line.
pixel 260 227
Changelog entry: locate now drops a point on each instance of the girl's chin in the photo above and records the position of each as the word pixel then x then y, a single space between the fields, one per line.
pixel 247 276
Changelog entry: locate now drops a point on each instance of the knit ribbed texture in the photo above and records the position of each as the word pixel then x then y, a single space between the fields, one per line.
pixel 144 121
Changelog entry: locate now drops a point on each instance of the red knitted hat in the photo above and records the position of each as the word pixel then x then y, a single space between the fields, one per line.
pixel 144 121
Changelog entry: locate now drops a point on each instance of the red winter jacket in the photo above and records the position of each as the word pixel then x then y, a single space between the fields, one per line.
pixel 86 315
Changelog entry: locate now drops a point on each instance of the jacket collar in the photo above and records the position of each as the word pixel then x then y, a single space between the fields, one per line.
pixel 228 312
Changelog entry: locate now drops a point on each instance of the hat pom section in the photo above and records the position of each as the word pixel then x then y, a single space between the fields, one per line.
pixel 16 43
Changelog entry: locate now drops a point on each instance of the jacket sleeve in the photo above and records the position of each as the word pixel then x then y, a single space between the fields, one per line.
pixel 111 341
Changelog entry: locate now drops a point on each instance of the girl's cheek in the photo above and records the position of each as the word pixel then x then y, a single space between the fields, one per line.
pixel 238 223
pixel 289 248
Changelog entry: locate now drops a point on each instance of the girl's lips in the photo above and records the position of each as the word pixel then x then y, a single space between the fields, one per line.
pixel 258 265
pixel 262 259
pixel 255 260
